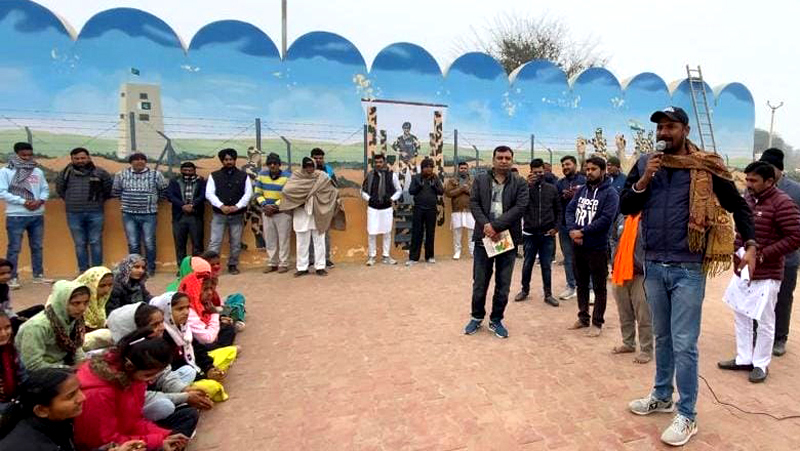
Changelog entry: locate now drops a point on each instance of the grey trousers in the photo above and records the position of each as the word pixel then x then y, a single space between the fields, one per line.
pixel 277 236
pixel 235 225
pixel 634 313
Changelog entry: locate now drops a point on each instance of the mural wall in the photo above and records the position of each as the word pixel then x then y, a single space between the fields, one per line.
pixel 127 82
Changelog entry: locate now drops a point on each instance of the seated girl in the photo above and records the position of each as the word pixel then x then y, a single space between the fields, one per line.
pixel 19 317
pixel 54 337
pixel 210 366
pixel 170 389
pixel 184 270
pixel 42 419
pixel 12 373
pixel 114 384
pixel 204 320
pixel 100 280
pixel 129 287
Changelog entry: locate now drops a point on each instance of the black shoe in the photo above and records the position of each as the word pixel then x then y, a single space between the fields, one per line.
pixel 322 272
pixel 233 270
pixel 733 366
pixel 301 273
pixel 328 264
pixel 758 375
pixel 550 300
pixel 521 296
pixel 779 348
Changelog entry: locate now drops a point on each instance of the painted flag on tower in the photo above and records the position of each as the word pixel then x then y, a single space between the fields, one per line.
pixel 134 71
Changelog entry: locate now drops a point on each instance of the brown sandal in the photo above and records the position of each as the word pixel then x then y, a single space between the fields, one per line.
pixel 643 357
pixel 624 349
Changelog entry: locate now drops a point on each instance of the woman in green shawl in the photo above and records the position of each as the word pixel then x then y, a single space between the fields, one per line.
pixel 99 280
pixel 54 337
pixel 185 270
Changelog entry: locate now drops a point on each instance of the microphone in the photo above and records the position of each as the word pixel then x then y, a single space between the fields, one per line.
pixel 660 146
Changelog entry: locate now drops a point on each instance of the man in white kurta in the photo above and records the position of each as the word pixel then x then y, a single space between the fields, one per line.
pixel 305 230
pixel 380 189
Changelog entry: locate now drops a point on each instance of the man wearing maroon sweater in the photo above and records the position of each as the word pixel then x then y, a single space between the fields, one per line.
pixel 777 224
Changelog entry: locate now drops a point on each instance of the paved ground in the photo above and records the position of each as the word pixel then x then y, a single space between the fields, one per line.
pixel 375 358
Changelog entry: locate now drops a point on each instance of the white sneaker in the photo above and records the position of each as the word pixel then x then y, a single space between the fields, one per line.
pixel 389 261
pixel 42 279
pixel 457 256
pixel 14 284
pixel 371 261
pixel 569 293
pixel 680 431
pixel 431 260
pixel 410 262
pixel 651 404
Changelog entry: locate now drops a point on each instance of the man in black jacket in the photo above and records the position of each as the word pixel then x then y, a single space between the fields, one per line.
pixel 186 193
pixel 85 189
pixel 498 200
pixel 426 187
pixel 541 221
pixel 228 190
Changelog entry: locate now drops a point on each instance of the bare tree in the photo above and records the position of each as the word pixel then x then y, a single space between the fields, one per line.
pixel 514 40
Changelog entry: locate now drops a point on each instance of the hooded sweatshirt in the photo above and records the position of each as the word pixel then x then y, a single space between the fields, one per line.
pixel 95 315
pixel 112 411
pixel 36 339
pixel 592 211
pixel 168 384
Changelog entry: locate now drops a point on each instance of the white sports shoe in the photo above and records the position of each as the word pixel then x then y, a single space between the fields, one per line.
pixel 680 431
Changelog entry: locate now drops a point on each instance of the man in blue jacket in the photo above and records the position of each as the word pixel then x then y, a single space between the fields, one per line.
pixel 186 193
pixel 589 217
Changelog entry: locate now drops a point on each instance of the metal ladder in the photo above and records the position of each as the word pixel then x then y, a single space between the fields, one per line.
pixel 705 127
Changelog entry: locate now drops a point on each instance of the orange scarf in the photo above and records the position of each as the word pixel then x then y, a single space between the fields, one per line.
pixel 624 261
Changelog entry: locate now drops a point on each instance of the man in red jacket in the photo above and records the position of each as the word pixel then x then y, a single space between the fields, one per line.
pixel 777 224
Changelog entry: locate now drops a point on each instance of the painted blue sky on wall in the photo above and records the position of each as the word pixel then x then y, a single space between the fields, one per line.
pixel 231 72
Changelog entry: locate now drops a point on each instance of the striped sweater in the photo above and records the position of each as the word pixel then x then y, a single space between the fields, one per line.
pixel 139 192
pixel 268 190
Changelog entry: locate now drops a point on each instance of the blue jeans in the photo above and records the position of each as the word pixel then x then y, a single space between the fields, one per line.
pixel 566 248
pixel 15 227
pixel 545 247
pixel 675 294
pixel 87 233
pixel 137 225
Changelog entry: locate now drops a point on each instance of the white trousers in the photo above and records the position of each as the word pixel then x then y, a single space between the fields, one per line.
pixel 387 244
pixel 277 234
pixel 761 354
pixel 303 242
pixel 457 241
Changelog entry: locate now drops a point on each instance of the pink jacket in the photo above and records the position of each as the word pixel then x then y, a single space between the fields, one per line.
pixel 202 332
pixel 113 414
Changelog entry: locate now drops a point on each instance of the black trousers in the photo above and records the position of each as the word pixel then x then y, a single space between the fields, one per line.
pixel 183 229
pixel 225 337
pixel 423 220
pixel 482 269
pixel 783 308
pixel 182 421
pixel 591 265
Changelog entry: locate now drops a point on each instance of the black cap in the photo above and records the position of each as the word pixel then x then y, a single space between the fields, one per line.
pixel 188 164
pixel 273 158
pixel 773 156
pixel 673 113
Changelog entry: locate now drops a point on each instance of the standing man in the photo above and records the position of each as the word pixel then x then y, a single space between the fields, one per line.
pixel 567 187
pixel 541 219
pixel 457 189
pixel 187 193
pixel 616 175
pixel 777 225
pixel 498 200
pixel 318 155
pixel 277 224
pixel 680 194
pixel 380 189
pixel 24 189
pixel 85 189
pixel 139 189
pixel 228 191
pixel 311 197
pixel 589 217
pixel 783 308
pixel 426 189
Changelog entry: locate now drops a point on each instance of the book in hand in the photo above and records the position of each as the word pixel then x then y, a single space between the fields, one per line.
pixel 504 244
